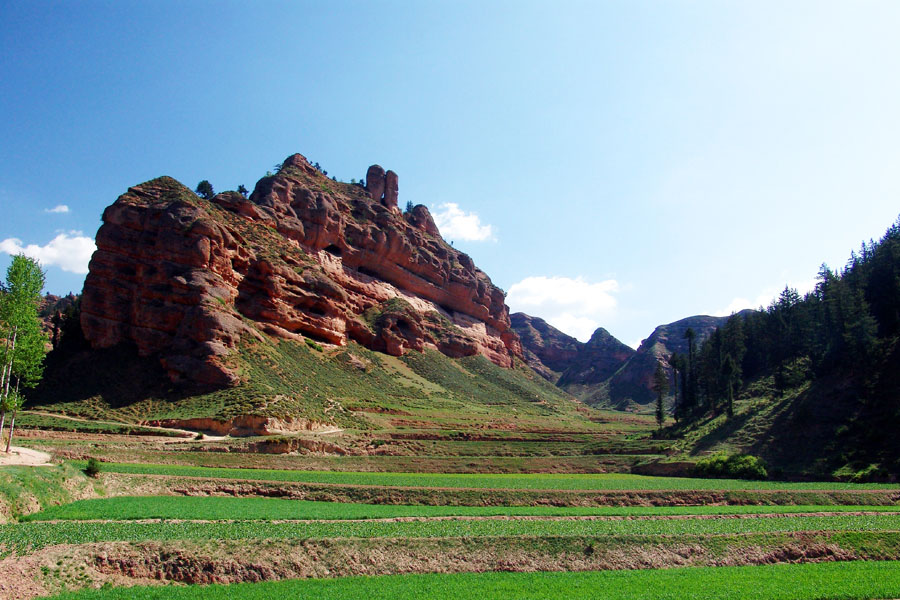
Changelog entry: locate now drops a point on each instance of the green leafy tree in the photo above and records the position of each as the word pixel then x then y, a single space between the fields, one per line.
pixel 205 190
pixel 660 386
pixel 23 343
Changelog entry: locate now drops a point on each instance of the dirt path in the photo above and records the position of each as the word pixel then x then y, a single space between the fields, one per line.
pixel 24 456
pixel 189 435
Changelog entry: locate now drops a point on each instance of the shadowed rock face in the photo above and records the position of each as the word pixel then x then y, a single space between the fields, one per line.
pixel 547 350
pixel 635 380
pixel 604 370
pixel 188 279
pixel 597 361
pixel 574 366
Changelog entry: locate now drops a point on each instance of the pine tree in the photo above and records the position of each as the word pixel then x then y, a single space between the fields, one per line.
pixel 205 190
pixel 660 386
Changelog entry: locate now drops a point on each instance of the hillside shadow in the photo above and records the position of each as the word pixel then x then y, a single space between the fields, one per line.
pixel 720 433
pixel 115 377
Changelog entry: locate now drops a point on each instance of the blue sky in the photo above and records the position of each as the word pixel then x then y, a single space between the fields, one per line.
pixel 615 164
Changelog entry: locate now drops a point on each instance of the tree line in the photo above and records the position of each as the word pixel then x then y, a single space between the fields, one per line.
pixel 848 326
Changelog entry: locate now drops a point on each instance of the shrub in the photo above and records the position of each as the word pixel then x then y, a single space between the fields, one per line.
pixel 738 466
pixel 314 345
pixel 870 474
pixel 93 467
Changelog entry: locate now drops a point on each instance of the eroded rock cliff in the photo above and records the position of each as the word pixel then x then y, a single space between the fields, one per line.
pixel 304 257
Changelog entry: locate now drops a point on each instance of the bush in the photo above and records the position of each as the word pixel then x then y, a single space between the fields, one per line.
pixel 870 474
pixel 314 345
pixel 737 466
pixel 93 467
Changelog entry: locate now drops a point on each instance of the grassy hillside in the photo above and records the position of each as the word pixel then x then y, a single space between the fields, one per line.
pixel 350 387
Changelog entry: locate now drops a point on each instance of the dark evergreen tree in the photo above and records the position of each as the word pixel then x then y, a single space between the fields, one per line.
pixel 205 190
pixel 660 386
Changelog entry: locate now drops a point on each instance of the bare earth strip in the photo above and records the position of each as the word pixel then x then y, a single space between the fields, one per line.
pixel 24 456
pixel 233 561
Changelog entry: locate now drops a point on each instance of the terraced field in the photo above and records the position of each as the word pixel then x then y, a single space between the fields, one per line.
pixel 219 513
pixel 847 581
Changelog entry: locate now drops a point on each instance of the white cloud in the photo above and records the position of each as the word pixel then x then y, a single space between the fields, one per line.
pixel 69 251
pixel 574 306
pixel 59 208
pixel 457 224
pixel 764 299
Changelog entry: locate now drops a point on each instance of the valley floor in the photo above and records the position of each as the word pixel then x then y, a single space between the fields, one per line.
pixel 466 520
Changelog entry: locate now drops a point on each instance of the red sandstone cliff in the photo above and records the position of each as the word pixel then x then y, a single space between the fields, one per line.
pixel 188 279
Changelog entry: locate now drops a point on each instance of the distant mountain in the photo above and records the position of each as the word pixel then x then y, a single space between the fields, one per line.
pixel 632 383
pixel 604 370
pixel 597 361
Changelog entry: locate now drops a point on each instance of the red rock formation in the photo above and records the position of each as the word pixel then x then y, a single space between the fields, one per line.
pixel 187 279
pixel 391 189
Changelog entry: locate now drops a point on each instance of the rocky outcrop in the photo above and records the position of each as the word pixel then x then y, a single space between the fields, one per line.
pixel 375 182
pixel 188 280
pixel 391 189
pixel 383 187
pixel 547 350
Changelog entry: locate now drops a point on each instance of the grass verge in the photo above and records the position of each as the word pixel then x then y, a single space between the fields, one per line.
pixel 27 537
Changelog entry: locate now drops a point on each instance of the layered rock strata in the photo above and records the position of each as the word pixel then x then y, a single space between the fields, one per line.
pixel 188 280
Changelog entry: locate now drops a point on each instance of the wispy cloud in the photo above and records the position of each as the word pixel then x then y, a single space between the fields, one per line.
pixel 69 251
pixel 574 306
pixel 454 223
pixel 59 208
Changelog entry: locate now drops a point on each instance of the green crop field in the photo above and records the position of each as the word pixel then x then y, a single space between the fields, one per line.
pixel 825 581
pixel 246 509
pixel 613 481
pixel 21 537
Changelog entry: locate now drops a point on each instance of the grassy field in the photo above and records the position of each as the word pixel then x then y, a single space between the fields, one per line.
pixel 826 581
pixel 247 509
pixel 22 537
pixel 613 481
pixel 24 488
